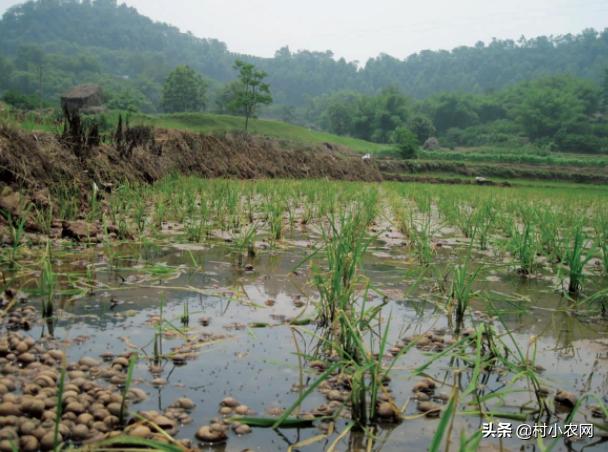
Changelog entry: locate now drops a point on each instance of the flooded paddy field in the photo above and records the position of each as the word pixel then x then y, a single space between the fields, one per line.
pixel 313 315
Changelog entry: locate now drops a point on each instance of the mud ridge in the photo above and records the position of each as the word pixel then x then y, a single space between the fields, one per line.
pixel 38 161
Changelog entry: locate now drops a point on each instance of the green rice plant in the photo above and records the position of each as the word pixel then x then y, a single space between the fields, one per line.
pixel 274 212
pixel 122 417
pixel 344 245
pixel 59 406
pixel 157 352
pixel 160 212
pixel 466 219
pixel 365 366
pixel 123 229
pixel 308 213
pixel 577 256
pixel 245 243
pixel 17 232
pixel 444 424
pixel 158 335
pixel 599 298
pixel 48 283
pixel 346 318
pixel 43 217
pixel 420 236
pixel 483 221
pixel 523 246
pixel 195 230
pixel 139 213
pixel 132 443
pixel 550 241
pixel 601 234
pixel 603 246
pixel 370 206
pixel 522 365
pixel 185 318
pixel 67 200
pixel 461 293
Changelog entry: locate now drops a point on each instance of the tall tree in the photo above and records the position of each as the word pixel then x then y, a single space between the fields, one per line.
pixel 184 90
pixel 251 91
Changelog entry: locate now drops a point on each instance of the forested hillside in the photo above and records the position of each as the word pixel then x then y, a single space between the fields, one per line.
pixel 72 41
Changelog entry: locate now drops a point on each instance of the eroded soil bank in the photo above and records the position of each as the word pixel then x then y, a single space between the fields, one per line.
pixel 37 161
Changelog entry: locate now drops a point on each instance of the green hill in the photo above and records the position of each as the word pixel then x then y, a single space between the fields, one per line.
pixel 107 42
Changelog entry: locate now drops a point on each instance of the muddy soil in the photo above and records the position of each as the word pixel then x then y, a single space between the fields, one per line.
pixel 38 161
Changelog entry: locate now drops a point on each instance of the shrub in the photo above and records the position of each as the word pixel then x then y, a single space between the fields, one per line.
pixel 406 141
pixel 21 101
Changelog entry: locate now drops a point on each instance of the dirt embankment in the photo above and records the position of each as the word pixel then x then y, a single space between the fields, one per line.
pixel 37 161
pixel 405 170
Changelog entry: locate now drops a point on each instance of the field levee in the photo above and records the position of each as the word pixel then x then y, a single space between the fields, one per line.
pixel 41 160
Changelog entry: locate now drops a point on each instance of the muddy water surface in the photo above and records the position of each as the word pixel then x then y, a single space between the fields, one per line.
pixel 247 350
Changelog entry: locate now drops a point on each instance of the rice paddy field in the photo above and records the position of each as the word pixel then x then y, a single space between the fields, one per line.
pixel 308 316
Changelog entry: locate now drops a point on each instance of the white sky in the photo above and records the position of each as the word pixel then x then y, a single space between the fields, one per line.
pixel 357 29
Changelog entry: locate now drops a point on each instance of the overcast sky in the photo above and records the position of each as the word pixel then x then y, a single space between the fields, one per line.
pixel 357 29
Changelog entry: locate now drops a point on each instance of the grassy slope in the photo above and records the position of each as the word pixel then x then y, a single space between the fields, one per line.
pixel 210 123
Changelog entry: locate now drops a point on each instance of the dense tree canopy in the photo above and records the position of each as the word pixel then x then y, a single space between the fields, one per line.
pixel 100 40
pixel 184 90
pixel 561 111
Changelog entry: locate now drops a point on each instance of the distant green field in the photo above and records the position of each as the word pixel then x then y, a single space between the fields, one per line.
pixel 211 123
pixel 526 155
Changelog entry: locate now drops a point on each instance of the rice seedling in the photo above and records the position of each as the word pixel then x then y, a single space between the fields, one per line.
pixel 549 233
pixel 48 283
pixel 195 230
pixel 601 234
pixel 483 222
pixel 444 424
pixel 185 318
pixel 159 213
pixel 523 246
pixel 59 406
pixel 245 243
pixel 158 336
pixel 66 197
pixel 274 211
pixel 139 212
pixel 345 243
pixel 421 239
pixel 17 231
pixel 461 293
pixel 43 217
pixel 122 417
pixel 577 256
pixel 599 298
pixel 466 219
